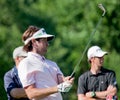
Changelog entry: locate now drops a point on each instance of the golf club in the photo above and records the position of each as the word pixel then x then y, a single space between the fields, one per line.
pixel 90 39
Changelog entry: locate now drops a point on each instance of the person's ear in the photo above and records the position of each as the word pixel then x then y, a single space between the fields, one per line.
pixel 17 58
pixel 34 43
pixel 91 59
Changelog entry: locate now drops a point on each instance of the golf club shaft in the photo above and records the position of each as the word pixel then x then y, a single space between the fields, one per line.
pixel 91 37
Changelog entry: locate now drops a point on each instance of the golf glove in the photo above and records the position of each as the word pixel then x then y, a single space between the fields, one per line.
pixel 64 87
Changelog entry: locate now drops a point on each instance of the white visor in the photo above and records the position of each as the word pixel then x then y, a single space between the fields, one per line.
pixel 39 34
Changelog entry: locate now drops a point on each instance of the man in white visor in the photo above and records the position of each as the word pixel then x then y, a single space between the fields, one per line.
pixel 41 78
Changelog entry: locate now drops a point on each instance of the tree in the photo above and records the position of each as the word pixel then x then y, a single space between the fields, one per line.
pixel 71 22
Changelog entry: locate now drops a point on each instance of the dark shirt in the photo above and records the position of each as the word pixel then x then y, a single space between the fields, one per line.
pixel 99 82
pixel 11 81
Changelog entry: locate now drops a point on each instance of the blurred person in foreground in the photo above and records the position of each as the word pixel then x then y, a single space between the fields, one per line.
pixel 12 82
pixel 98 83
pixel 42 79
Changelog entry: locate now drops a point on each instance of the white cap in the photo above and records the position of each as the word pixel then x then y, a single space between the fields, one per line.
pixel 95 51
pixel 19 52
pixel 40 34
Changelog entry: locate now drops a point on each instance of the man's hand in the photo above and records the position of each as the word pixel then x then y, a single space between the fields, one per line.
pixel 111 90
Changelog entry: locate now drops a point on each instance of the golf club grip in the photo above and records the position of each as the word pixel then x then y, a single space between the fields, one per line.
pixel 72 75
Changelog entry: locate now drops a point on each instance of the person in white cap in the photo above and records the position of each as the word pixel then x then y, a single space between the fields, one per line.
pixel 42 79
pixel 12 82
pixel 97 83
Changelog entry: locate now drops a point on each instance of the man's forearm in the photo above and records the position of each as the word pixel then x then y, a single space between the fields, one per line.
pixel 84 97
pixel 40 93
pixel 18 93
pixel 101 94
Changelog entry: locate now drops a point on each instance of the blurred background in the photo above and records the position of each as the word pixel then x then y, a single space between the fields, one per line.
pixel 72 22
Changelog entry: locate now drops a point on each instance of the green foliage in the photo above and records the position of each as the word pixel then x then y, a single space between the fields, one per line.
pixel 72 22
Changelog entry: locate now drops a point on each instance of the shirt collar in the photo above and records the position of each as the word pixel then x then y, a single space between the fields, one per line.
pixel 100 72
pixel 36 55
pixel 15 70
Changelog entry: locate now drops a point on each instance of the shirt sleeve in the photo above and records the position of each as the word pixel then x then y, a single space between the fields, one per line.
pixel 112 78
pixel 8 82
pixel 26 76
pixel 81 85
pixel 56 72
pixel 59 71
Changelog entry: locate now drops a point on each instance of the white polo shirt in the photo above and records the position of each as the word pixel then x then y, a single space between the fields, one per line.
pixel 43 73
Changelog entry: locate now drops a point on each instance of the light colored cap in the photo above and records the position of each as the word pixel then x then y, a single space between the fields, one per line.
pixel 95 51
pixel 19 52
pixel 40 34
